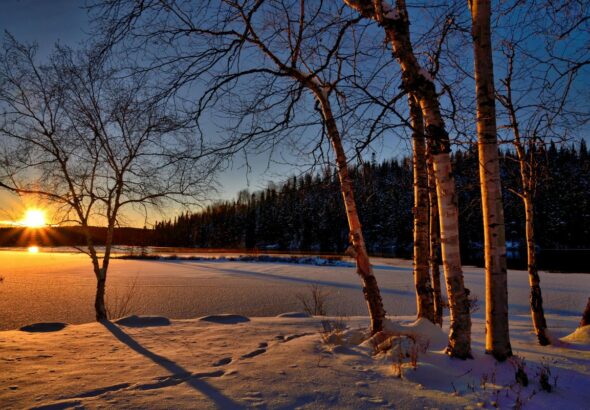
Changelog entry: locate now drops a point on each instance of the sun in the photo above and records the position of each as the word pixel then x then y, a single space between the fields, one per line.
pixel 34 218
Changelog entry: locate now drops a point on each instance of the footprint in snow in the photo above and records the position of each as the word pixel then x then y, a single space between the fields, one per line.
pixel 222 362
pixel 253 353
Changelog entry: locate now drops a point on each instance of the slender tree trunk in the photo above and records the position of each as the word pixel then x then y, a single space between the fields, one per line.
pixel 434 242
pixel 586 315
pixel 424 298
pixel 99 298
pixel 364 269
pixel 497 330
pixel 536 298
pixel 99 303
pixel 527 179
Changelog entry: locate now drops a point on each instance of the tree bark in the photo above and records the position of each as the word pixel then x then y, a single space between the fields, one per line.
pixel 418 82
pixel 434 245
pixel 536 298
pixel 497 329
pixel 364 269
pixel 99 304
pixel 424 298
pixel 586 315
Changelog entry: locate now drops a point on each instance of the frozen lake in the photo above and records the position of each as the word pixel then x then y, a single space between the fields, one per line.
pixel 60 287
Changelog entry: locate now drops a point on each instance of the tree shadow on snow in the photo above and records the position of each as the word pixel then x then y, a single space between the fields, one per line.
pixel 178 373
pixel 266 275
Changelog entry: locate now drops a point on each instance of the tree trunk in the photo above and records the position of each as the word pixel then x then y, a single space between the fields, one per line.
pixel 497 330
pixel 99 304
pixel 586 315
pixel 424 299
pixel 458 295
pixel 536 299
pixel 434 242
pixel 364 269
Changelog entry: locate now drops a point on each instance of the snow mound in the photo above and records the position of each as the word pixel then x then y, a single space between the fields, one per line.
pixel 581 336
pixel 422 329
pixel 143 321
pixel 43 327
pixel 294 315
pixel 345 337
pixel 225 319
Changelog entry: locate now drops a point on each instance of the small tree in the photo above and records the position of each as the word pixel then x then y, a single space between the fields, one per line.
pixel 92 143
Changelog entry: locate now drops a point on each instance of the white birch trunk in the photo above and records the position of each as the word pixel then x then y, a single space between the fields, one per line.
pixel 497 329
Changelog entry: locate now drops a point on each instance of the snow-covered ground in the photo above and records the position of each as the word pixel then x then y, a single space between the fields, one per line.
pixel 264 360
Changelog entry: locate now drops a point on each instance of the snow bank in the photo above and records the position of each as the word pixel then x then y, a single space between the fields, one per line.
pixel 581 336
pixel 275 363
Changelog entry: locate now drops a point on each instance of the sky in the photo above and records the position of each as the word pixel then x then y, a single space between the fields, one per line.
pixel 46 22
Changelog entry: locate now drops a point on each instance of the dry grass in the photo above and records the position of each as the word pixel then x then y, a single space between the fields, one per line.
pixel 118 304
pixel 315 301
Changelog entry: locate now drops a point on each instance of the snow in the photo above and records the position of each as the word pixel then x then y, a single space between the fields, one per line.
pixel 238 360
pixel 226 318
pixel 143 321
pixel 581 336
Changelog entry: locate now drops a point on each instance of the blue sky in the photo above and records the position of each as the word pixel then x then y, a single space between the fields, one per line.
pixel 49 21
pixel 46 22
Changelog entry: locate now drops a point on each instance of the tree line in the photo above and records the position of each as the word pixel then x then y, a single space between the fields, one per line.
pixel 305 213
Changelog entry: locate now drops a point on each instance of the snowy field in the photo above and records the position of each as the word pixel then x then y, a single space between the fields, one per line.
pixel 260 360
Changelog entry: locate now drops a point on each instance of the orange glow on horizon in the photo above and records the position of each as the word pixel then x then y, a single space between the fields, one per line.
pixel 33 249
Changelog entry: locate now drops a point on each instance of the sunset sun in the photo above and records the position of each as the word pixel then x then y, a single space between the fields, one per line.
pixel 34 218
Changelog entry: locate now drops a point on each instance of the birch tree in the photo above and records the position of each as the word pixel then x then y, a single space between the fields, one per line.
pixel 497 330
pixel 539 103
pixel 416 80
pixel 91 144
pixel 280 54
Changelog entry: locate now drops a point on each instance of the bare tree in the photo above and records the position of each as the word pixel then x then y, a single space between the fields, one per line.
pixel 92 142
pixel 416 80
pixel 275 68
pixel 540 103
pixel 497 329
